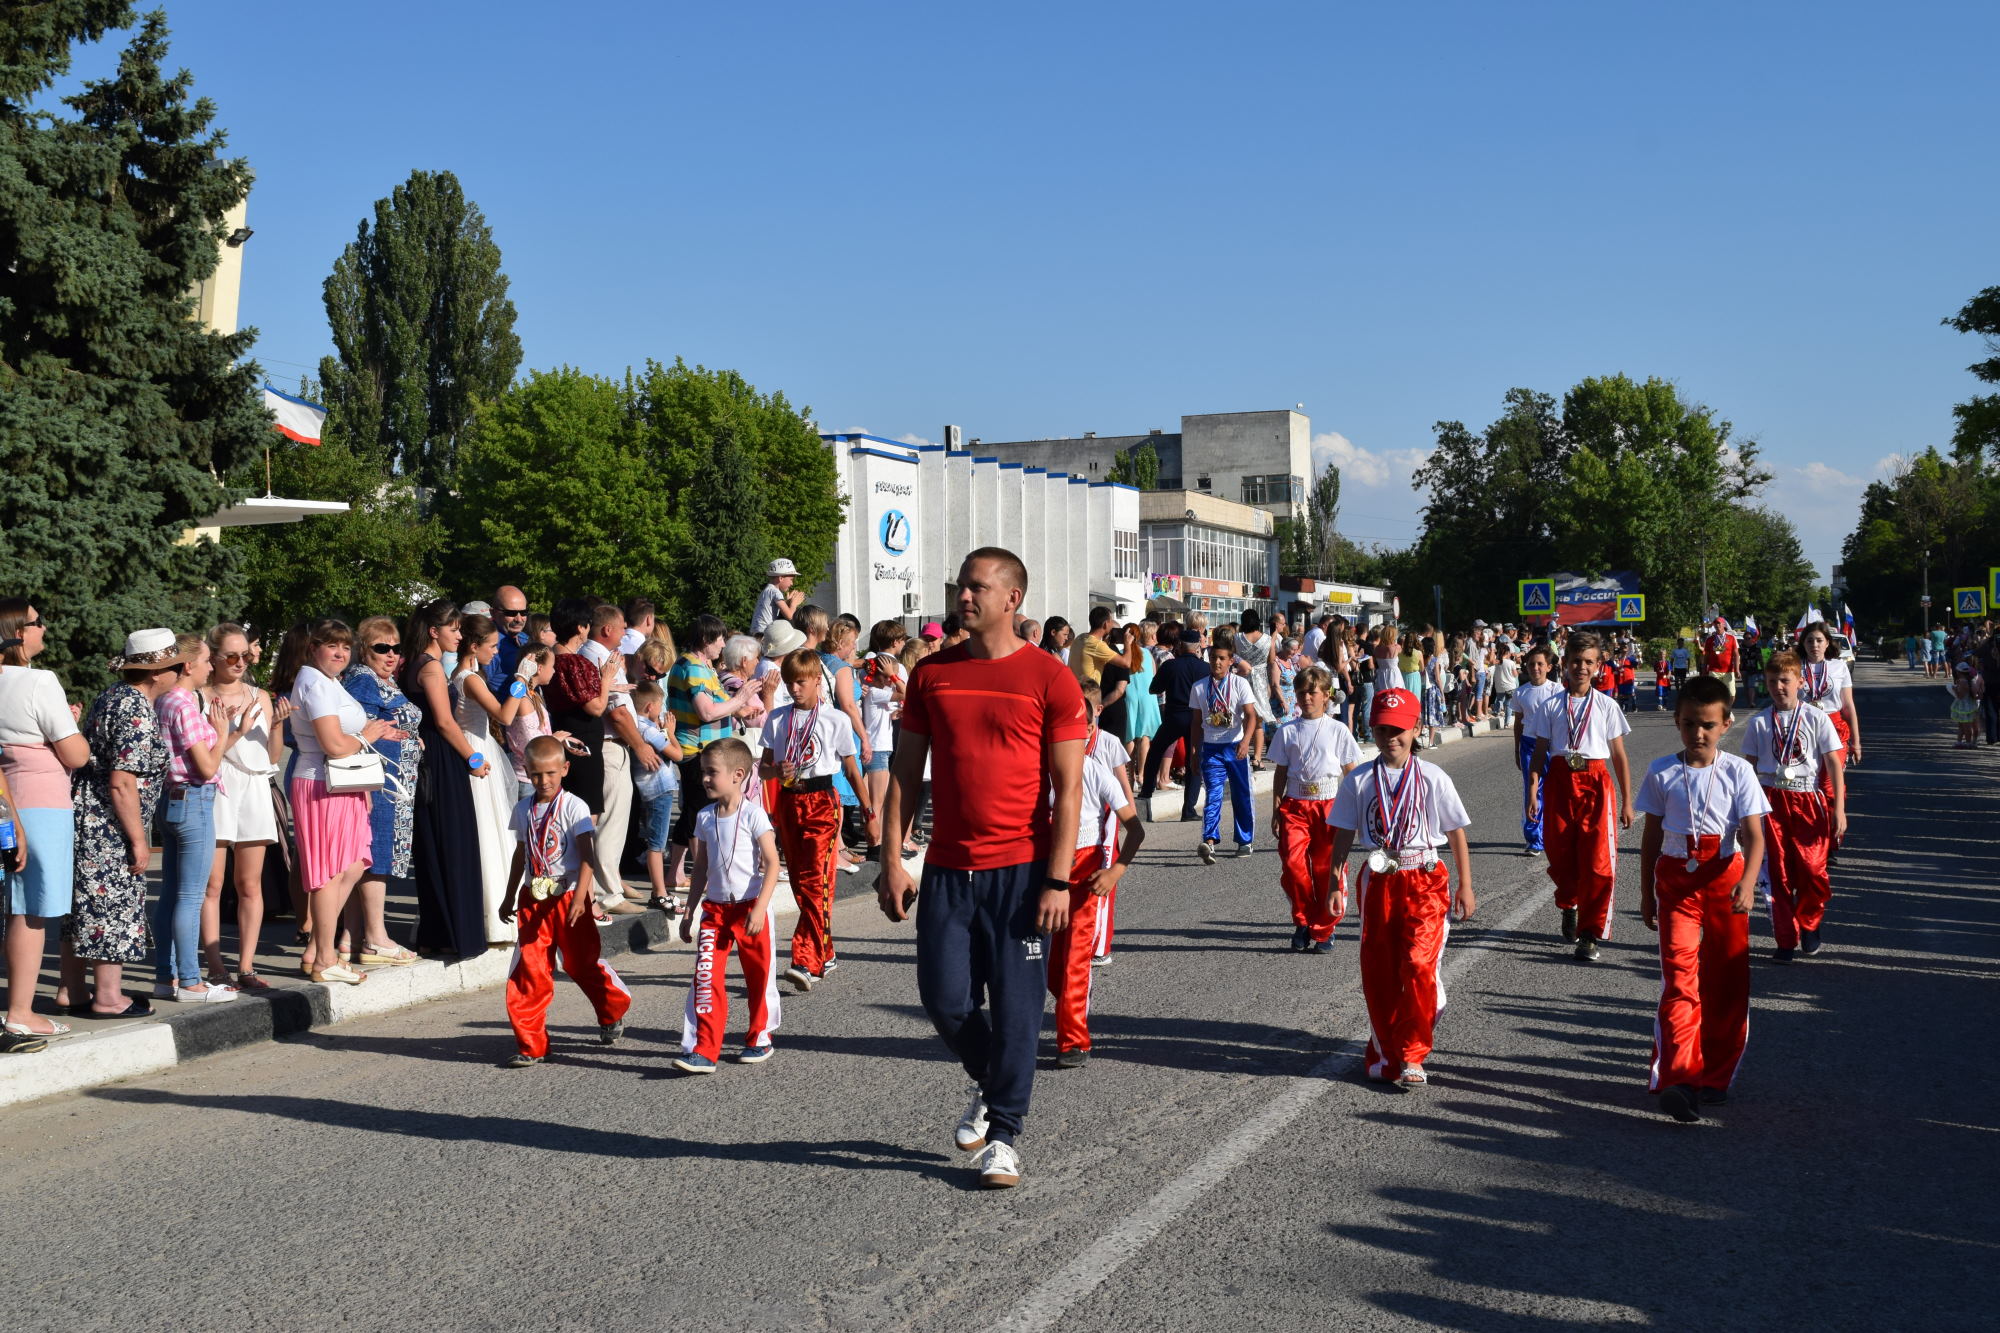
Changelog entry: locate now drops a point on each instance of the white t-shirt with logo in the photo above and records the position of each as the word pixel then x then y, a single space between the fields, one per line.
pixel 1825 683
pixel 1599 721
pixel 1527 698
pixel 1438 811
pixel 735 867
pixel 1713 800
pixel 1769 730
pixel 1314 752
pixel 815 739
pixel 1228 695
pixel 1103 798
pixel 571 820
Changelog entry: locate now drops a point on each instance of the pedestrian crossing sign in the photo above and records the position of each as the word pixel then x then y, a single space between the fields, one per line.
pixel 1538 597
pixel 1631 607
pixel 1969 603
pixel 1993 586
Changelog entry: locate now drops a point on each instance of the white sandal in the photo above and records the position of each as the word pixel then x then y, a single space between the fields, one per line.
pixel 340 973
pixel 22 1030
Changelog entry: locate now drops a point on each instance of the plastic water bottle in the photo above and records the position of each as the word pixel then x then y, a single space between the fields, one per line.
pixel 10 837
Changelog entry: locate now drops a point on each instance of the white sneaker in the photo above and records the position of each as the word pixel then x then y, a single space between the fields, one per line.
pixel 214 994
pixel 1207 852
pixel 999 1166
pixel 971 1134
pixel 799 979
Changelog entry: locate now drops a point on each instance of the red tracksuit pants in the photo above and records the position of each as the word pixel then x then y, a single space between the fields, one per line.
pixel 809 831
pixel 1070 951
pixel 1842 730
pixel 723 926
pixel 544 931
pixel 1797 837
pixel 1704 1016
pixel 1405 917
pixel 1580 835
pixel 1305 855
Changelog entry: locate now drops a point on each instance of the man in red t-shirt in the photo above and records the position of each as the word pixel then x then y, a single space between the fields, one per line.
pixel 1718 658
pixel 1002 724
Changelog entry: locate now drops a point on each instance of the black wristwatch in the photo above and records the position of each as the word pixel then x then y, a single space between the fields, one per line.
pixel 1050 882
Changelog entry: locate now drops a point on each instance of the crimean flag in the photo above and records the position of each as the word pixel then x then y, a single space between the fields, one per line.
pixel 297 419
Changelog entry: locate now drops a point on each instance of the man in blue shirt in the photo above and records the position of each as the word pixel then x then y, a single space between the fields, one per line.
pixel 1175 682
pixel 510 617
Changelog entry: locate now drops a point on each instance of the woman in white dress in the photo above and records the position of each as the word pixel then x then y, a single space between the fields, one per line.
pixel 485 718
pixel 246 816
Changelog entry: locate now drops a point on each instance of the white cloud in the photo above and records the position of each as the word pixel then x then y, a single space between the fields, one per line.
pixel 1823 479
pixel 1365 467
pixel 1377 503
pixel 912 438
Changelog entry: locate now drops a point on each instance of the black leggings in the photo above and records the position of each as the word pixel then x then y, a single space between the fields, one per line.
pixel 693 801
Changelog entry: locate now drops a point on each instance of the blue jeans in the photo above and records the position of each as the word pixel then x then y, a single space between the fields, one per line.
pixel 187 855
pixel 1531 829
pixel 977 939
pixel 1219 764
pixel 658 814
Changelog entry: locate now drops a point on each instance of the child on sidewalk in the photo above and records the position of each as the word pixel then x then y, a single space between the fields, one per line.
pixel 1575 796
pixel 1401 810
pixel 1965 698
pixel 550 878
pixel 736 869
pixel 1797 754
pixel 1696 889
pixel 1228 719
pixel 656 789
pixel 1102 859
pixel 1537 690
pixel 1312 753
pixel 1109 751
pixel 806 742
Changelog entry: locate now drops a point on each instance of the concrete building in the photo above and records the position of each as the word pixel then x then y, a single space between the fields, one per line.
pixel 1255 458
pixel 914 512
pixel 1204 553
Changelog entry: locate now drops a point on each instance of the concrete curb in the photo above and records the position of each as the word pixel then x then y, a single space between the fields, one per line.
pixel 98 1053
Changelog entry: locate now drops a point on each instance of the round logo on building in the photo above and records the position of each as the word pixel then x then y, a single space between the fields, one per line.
pixel 895 532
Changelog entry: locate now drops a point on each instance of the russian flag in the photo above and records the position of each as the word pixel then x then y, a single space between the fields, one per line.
pixel 297 419
pixel 1847 621
pixel 1750 628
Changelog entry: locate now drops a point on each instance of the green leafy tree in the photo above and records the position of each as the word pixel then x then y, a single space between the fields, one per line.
pixel 682 411
pixel 557 494
pixel 371 560
pixel 423 329
pixel 1309 545
pixel 1138 468
pixel 1933 514
pixel 118 410
pixel 1979 417
pixel 722 570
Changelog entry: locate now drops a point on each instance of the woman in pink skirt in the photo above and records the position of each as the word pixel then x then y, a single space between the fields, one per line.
pixel 332 827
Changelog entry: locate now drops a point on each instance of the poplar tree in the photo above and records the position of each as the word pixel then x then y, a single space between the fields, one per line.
pixel 423 330
pixel 118 410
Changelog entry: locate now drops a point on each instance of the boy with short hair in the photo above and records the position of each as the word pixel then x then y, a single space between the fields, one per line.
pixel 1401 809
pixel 1109 751
pixel 1529 696
pixel 1579 744
pixel 1696 889
pixel 1226 711
pixel 1792 743
pixel 656 787
pixel 806 743
pixel 736 871
pixel 551 878
pixel 1101 861
pixel 1312 753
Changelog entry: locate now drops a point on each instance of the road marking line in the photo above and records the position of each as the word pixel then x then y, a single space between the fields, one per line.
pixel 1049 1302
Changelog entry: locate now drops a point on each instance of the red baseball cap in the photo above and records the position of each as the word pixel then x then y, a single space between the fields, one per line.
pixel 1395 708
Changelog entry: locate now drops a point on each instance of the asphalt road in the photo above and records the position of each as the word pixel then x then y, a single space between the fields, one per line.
pixel 1218 1165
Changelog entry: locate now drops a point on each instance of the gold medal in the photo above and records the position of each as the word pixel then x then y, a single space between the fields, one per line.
pixel 1576 759
pixel 788 775
pixel 1218 719
pixel 543 887
pixel 1312 789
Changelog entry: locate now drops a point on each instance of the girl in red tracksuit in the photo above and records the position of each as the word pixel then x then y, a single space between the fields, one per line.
pixel 1312 753
pixel 1580 735
pixel 1402 810
pixel 1696 889
pixel 1799 758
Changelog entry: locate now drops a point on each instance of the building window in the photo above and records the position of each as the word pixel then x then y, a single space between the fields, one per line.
pixel 1125 555
pixel 1274 488
pixel 1201 483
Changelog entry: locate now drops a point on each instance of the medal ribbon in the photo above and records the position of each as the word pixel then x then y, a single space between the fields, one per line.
pixel 1698 790
pixel 1400 810
pixel 798 745
pixel 1218 692
pixel 1815 681
pixel 1789 748
pixel 546 843
pixel 1578 722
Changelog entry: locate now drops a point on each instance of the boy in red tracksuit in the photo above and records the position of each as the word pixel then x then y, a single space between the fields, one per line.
pixel 554 853
pixel 806 742
pixel 1108 750
pixel 1696 889
pixel 1311 753
pixel 1402 810
pixel 736 872
pixel 1102 857
pixel 1580 736
pixel 1799 756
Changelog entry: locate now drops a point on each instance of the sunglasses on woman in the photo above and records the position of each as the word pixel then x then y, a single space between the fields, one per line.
pixel 386 649
pixel 233 659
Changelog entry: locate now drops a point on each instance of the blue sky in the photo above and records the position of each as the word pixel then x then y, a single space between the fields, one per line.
pixel 1043 219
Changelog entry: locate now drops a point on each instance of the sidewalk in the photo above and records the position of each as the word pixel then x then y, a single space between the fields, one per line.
pixel 100 1051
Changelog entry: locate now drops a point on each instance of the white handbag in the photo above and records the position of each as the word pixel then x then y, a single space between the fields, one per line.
pixel 360 771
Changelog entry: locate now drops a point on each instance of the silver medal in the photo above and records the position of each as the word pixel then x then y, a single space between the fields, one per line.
pixel 1692 865
pixel 1378 861
pixel 1430 858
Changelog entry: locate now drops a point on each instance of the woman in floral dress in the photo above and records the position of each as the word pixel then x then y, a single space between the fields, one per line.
pixel 392 814
pixel 115 794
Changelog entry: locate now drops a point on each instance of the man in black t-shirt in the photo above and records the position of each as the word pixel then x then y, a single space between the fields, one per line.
pixel 1175 683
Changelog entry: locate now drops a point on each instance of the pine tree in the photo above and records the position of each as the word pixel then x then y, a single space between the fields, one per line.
pixel 722 569
pixel 422 328
pixel 118 410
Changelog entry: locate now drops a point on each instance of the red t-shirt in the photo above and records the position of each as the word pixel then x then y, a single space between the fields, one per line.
pixel 1719 658
pixel 990 721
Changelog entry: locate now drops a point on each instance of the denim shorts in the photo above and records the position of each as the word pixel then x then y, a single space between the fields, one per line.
pixel 659 816
pixel 878 762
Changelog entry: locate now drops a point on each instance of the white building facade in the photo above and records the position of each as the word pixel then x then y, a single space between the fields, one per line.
pixel 914 512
